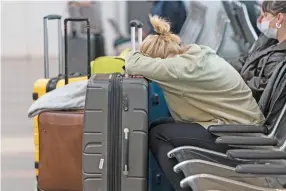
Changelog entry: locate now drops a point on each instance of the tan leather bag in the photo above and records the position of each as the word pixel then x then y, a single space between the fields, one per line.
pixel 60 142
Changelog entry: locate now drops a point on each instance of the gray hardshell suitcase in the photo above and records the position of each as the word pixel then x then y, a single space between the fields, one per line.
pixel 115 133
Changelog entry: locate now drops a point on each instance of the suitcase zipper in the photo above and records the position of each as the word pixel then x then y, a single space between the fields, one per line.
pixel 114 152
pixel 110 159
pixel 118 129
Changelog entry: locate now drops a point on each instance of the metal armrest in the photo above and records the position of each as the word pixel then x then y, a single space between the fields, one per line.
pixel 262 169
pixel 184 153
pixel 204 182
pixel 237 129
pixel 249 141
pixel 255 154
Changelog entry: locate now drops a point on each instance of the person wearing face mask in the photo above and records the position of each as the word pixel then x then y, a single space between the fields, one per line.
pixel 270 49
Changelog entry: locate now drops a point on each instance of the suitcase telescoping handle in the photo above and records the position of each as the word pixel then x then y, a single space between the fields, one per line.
pixel 46 45
pixel 133 24
pixel 66 44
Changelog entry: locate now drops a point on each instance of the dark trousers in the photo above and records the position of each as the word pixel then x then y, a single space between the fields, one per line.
pixel 165 137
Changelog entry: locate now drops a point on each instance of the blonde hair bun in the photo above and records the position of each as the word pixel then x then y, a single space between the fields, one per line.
pixel 164 43
pixel 162 28
pixel 160 25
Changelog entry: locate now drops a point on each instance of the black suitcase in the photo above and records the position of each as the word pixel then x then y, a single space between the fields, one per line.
pixel 78 34
pixel 77 50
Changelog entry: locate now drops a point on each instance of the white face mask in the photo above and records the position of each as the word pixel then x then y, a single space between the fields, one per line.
pixel 266 30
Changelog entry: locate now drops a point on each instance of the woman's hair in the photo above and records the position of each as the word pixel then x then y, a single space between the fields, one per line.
pixel 274 7
pixel 163 43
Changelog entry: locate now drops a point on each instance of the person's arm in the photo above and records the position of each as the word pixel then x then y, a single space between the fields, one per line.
pixel 238 64
pixel 261 43
pixel 152 68
pixel 270 64
pixel 258 84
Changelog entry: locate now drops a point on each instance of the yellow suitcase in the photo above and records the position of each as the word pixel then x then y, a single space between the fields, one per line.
pixel 42 86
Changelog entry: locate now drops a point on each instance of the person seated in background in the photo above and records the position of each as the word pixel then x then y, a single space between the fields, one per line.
pixel 173 11
pixel 201 89
pixel 270 49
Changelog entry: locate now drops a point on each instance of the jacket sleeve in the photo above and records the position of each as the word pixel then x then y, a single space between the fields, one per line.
pixel 260 44
pixel 238 64
pixel 266 67
pixel 152 68
pixel 271 64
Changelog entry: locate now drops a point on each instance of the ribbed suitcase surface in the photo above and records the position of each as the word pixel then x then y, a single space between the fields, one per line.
pixel 115 134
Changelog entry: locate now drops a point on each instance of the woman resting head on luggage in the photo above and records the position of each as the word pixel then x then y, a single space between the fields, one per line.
pixel 200 88
pixel 195 80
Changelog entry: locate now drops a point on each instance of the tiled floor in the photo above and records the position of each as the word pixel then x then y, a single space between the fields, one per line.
pixel 17 157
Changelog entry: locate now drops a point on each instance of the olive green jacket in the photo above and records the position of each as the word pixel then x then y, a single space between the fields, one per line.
pixel 199 86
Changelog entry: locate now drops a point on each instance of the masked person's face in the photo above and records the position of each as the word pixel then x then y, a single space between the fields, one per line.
pixel 268 24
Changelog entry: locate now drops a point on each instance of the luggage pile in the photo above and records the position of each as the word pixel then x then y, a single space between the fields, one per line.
pixel 104 146
pixel 78 149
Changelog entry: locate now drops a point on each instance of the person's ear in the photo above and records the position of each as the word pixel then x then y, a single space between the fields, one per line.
pixel 280 19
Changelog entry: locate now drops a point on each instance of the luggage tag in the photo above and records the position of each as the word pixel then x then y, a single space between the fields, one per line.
pixel 133 24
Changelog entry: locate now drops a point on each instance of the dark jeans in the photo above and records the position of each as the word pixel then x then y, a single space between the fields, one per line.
pixel 165 137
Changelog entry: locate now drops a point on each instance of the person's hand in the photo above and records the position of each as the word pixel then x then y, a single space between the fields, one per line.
pixel 137 76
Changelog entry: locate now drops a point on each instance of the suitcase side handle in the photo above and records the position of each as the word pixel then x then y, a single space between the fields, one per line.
pixel 66 45
pixel 126 152
pixel 133 24
pixel 46 44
